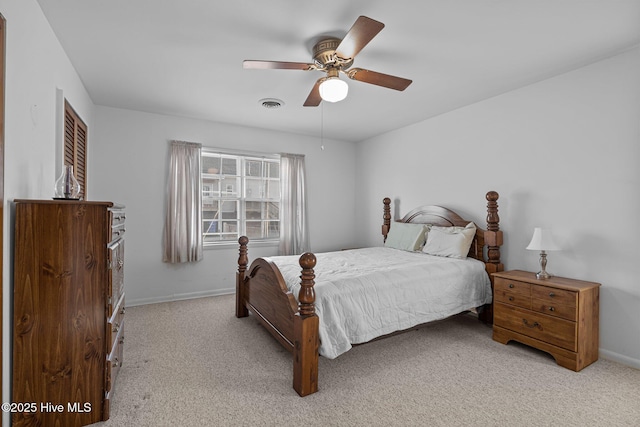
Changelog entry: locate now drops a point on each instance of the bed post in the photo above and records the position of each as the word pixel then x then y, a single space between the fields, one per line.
pixel 493 236
pixel 493 240
pixel 386 217
pixel 305 331
pixel 243 260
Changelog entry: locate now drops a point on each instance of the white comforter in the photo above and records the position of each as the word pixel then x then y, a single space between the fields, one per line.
pixel 362 294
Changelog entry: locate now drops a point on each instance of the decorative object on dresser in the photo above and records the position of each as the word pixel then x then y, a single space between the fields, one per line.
pixel 68 310
pixel 559 316
pixel 542 241
pixel 268 287
pixel 67 186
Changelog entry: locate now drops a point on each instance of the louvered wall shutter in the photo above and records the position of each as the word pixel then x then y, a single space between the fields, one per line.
pixel 75 146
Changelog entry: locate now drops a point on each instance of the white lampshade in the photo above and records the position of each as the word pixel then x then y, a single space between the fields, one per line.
pixel 542 241
pixel 333 89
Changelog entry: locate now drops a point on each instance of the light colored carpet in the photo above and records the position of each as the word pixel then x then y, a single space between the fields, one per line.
pixel 192 363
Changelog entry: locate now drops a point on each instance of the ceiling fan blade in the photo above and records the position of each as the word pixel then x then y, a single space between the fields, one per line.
pixel 314 99
pixel 359 35
pixel 277 65
pixel 379 79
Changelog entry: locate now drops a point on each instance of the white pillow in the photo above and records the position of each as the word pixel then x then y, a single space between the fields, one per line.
pixel 453 242
pixel 405 236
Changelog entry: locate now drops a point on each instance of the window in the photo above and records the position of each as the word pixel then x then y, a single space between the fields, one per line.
pixel 75 147
pixel 240 196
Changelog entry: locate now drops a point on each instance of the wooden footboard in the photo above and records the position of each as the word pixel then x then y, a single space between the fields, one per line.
pixel 263 291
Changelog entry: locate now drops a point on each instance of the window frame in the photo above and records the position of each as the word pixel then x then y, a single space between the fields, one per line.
pixel 241 198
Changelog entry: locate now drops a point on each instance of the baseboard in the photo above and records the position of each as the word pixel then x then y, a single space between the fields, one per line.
pixel 625 360
pixel 179 297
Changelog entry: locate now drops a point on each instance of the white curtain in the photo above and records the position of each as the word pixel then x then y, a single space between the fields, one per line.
pixel 294 232
pixel 183 222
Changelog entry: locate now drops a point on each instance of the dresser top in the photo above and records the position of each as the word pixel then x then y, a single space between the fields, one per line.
pixel 77 202
pixel 559 282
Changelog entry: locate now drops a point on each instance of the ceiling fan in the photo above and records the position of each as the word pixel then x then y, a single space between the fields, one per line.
pixel 332 56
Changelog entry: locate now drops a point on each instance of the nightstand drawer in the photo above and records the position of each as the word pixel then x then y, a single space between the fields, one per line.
pixel 551 308
pixel 512 287
pixel 507 297
pixel 554 295
pixel 552 330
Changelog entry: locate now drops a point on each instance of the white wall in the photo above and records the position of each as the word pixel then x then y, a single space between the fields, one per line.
pixel 129 158
pixel 37 73
pixel 562 153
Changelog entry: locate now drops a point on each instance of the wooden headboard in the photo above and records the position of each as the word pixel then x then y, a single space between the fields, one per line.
pixel 491 237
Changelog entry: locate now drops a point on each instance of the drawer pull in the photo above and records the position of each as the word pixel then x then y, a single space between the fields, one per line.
pixel 552 309
pixel 511 285
pixel 116 363
pixel 121 340
pixel 116 327
pixel 551 294
pixel 510 298
pixel 534 325
pixel 122 310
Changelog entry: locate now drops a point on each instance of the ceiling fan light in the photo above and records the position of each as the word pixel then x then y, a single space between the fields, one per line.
pixel 333 89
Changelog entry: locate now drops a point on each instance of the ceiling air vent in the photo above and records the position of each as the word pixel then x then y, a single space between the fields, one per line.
pixel 271 103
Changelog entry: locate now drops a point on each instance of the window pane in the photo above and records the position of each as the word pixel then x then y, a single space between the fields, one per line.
pixel 273 229
pixel 210 164
pixel 253 168
pixel 230 166
pixel 273 189
pixel 273 170
pixel 253 210
pixel 230 186
pixel 262 210
pixel 254 229
pixel 253 188
pixel 210 191
pixel 229 209
pixel 273 210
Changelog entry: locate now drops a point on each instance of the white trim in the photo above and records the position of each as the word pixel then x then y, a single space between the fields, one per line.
pixel 226 244
pixel 245 153
pixel 180 297
pixel 620 358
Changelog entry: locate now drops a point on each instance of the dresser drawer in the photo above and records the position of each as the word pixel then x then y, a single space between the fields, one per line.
pixel 114 360
pixel 512 298
pixel 508 286
pixel 117 224
pixel 552 330
pixel 551 308
pixel 554 295
pixel 115 283
pixel 114 323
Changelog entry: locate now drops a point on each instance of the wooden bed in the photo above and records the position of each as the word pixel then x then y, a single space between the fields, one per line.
pixel 262 290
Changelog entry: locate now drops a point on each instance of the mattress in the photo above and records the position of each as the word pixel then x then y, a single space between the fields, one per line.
pixel 362 294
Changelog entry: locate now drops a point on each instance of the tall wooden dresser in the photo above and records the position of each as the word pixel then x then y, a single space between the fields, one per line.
pixel 68 311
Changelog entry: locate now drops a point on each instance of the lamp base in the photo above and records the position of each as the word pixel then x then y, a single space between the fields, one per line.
pixel 542 275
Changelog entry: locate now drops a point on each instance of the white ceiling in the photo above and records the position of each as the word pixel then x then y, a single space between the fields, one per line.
pixel 184 57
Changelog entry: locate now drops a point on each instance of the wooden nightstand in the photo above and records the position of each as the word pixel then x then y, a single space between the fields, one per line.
pixel 556 315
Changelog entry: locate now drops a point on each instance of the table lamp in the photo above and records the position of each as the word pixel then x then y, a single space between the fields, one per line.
pixel 542 241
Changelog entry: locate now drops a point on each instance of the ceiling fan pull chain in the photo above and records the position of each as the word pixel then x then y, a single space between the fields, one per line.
pixel 322 126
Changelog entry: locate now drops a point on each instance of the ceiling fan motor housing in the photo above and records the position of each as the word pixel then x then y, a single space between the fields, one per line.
pixel 324 54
